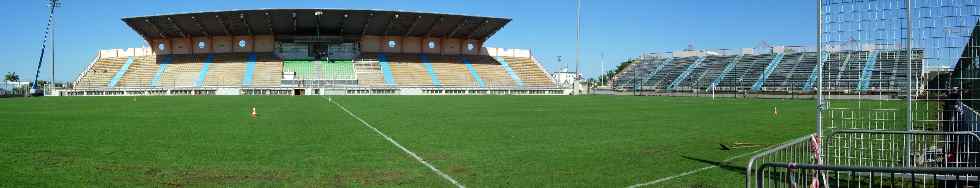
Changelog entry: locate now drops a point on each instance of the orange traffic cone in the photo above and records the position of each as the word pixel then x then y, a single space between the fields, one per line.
pixel 254 115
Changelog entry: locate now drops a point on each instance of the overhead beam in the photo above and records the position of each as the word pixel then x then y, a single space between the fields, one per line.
pixel 456 29
pixel 473 32
pixel 294 23
pixel 343 24
pixel 248 27
pixel 388 25
pixel 366 23
pixel 199 25
pixel 155 27
pixel 433 26
pixel 224 26
pixel 412 27
pixel 179 29
pixel 268 19
pixel 494 31
pixel 317 15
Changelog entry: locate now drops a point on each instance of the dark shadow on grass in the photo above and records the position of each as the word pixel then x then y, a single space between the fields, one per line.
pixel 723 165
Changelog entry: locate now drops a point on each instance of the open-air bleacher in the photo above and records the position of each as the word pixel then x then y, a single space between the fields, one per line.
pixel 844 72
pixel 268 70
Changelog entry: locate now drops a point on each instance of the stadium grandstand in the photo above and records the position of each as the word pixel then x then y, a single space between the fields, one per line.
pixel 851 71
pixel 314 52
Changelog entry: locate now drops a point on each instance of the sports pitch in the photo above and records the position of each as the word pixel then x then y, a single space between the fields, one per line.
pixel 479 141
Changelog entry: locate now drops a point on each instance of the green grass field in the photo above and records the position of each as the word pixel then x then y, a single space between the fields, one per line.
pixel 482 141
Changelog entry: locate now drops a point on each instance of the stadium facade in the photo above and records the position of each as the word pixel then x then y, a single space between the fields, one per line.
pixel 314 52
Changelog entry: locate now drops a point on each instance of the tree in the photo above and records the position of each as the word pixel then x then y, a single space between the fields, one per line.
pixel 11 77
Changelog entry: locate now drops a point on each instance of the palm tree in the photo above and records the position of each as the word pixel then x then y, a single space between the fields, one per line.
pixel 11 77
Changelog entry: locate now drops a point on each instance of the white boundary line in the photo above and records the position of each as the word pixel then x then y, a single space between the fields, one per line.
pixel 668 178
pixel 416 156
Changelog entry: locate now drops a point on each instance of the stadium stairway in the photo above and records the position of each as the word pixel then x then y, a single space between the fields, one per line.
pixel 491 72
pixel 249 70
pixel 808 86
pixel 660 67
pixel 724 73
pixel 140 73
pixel 226 70
pixel 768 71
pixel 120 72
pixel 101 72
pixel 407 70
pixel 476 75
pixel 268 70
pixel 687 72
pixel 452 72
pixel 866 72
pixel 160 70
pixel 428 70
pixel 204 71
pixel 530 72
pixel 510 71
pixel 386 70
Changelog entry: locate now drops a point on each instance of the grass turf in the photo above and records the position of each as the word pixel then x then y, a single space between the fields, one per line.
pixel 482 141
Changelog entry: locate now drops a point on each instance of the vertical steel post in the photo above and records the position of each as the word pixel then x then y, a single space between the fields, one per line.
pixel 908 99
pixel 820 62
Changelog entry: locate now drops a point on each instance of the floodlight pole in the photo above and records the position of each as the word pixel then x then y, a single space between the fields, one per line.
pixel 44 42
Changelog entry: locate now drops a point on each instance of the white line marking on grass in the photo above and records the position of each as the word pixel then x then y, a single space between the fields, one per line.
pixel 668 178
pixel 409 152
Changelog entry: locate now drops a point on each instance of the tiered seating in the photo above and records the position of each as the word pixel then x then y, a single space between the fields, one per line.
pixel 530 73
pixel 141 72
pixel 451 71
pixel 843 72
pixel 796 77
pixel 777 78
pixel 490 71
pixel 662 78
pixel 304 70
pixel 712 67
pixel 407 70
pixel 99 75
pixel 639 72
pixel 748 69
pixel 368 71
pixel 183 71
pixel 226 70
pixel 268 71
pixel 338 70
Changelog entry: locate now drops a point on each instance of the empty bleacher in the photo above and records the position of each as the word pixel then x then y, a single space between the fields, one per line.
pixel 100 73
pixel 268 71
pixel 845 71
pixel 140 73
pixel 529 72
pixel 368 71
pixel 491 72
pixel 237 70
pixel 451 71
pixel 226 70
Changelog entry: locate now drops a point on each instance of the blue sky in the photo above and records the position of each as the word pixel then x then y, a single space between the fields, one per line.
pixel 618 28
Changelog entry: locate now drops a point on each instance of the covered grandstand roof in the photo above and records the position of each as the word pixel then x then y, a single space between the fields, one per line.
pixel 342 22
